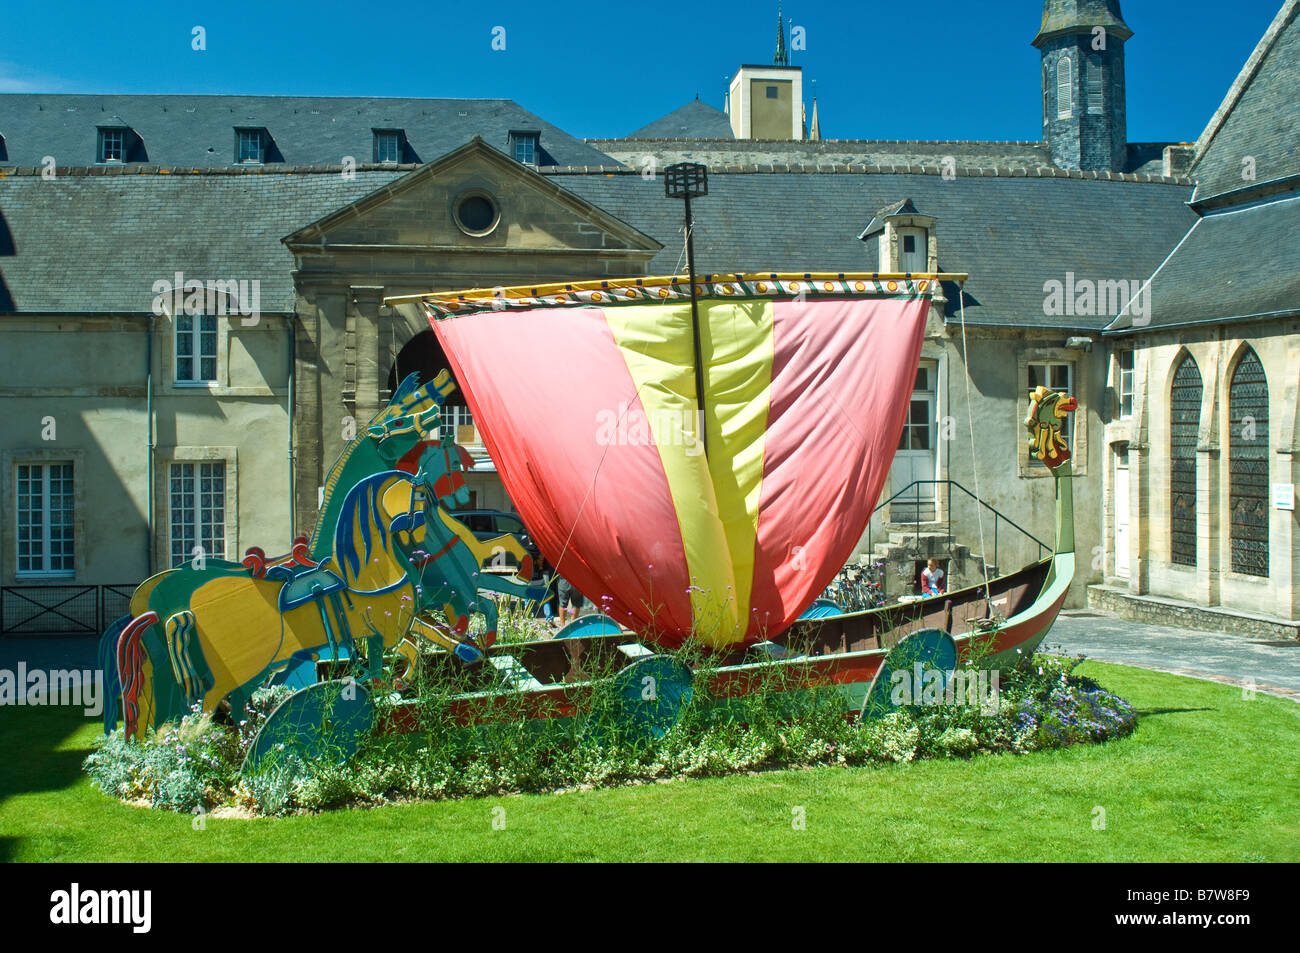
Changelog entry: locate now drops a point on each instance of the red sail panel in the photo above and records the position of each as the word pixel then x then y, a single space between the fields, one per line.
pixel 540 384
pixel 842 380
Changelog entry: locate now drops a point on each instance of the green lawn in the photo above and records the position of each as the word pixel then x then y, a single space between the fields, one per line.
pixel 1207 776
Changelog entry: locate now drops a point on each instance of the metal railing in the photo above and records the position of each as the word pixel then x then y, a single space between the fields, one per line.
pixel 918 503
pixel 56 610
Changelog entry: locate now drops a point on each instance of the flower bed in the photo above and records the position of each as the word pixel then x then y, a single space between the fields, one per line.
pixel 195 765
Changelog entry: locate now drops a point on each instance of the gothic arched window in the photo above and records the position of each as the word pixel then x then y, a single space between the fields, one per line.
pixel 1064 91
pixel 1185 422
pixel 1248 486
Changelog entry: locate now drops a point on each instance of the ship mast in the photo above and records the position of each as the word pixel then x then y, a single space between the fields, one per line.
pixel 687 180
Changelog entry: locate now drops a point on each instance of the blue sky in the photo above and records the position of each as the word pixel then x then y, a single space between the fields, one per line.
pixel 928 69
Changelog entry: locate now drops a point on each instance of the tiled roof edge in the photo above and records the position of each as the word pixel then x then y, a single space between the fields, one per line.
pixel 782 168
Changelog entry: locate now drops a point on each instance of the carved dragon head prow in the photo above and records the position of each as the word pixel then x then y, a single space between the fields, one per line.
pixel 1048 410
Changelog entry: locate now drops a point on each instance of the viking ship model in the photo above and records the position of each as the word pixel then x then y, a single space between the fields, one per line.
pixel 702 479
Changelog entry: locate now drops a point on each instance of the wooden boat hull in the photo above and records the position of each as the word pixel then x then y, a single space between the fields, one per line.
pixel 845 651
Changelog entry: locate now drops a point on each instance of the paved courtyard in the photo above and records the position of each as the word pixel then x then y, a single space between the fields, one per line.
pixel 1273 665
pixel 1233 659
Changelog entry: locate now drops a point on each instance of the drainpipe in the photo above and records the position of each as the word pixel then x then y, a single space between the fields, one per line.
pixel 149 440
pixel 293 503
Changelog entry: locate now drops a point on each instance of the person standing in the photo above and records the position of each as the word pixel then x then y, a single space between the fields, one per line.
pixel 571 601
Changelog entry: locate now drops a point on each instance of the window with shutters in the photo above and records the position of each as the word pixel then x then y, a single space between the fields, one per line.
pixel 1095 84
pixel 1185 422
pixel 1248 482
pixel 1064 92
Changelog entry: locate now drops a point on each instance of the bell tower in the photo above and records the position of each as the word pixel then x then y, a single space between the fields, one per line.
pixel 1082 45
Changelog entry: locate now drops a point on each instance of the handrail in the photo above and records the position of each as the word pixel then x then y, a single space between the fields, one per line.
pixel 997 516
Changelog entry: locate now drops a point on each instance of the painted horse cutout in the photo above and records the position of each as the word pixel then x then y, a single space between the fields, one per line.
pixel 205 644
pixel 161 674
pixel 409 416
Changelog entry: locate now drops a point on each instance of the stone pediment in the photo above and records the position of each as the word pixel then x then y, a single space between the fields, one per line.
pixel 511 209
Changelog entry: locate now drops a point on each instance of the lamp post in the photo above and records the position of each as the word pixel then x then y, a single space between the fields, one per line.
pixel 687 180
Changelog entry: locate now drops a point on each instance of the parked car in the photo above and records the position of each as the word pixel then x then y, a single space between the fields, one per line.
pixel 489 524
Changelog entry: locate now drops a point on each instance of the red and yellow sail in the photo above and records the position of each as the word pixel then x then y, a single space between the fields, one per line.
pixel 585 396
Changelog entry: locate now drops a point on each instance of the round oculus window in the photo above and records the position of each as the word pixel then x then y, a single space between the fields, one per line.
pixel 476 213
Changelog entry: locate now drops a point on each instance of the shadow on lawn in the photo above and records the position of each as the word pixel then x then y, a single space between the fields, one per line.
pixel 1170 711
pixel 29 761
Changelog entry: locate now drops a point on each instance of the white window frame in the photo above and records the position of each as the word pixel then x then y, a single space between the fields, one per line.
pixel 529 141
pixel 1064 88
pixel 258 136
pixel 1124 380
pixel 196 334
pixel 200 528
pixel 1068 429
pixel 385 137
pixel 930 396
pixel 117 135
pixel 46 567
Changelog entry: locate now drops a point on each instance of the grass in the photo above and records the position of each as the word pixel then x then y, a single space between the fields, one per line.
pixel 1198 781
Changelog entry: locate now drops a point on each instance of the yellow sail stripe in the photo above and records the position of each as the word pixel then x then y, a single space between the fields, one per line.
pixel 737 337
pixel 717 506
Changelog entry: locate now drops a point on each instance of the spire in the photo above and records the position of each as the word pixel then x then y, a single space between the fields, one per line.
pixel 815 133
pixel 1081 16
pixel 781 58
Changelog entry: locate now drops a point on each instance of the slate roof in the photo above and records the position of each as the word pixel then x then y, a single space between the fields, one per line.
pixel 1259 117
pixel 97 242
pixel 199 131
pixel 1011 234
pixel 695 120
pixel 1234 265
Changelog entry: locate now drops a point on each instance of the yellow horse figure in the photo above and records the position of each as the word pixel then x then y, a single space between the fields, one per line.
pixel 235 630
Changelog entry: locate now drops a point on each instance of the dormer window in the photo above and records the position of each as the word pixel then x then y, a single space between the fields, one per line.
pixel 112 144
pixel 390 145
pixel 250 145
pixel 524 145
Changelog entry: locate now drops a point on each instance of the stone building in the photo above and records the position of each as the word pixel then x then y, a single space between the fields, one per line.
pixel 173 430
pixel 1201 454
